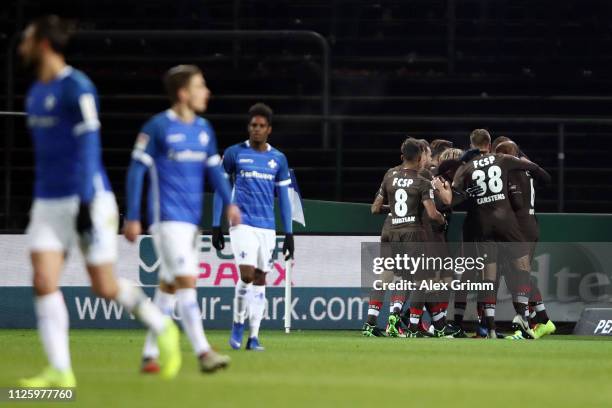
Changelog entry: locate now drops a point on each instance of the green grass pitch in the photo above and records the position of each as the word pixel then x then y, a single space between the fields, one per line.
pixel 332 368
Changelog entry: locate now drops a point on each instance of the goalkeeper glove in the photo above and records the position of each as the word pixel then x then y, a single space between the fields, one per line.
pixel 218 240
pixel 288 247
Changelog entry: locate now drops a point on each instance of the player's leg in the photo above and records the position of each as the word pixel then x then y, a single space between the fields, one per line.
pixel 165 300
pixel 542 325
pixel 256 310
pixel 100 251
pixel 488 296
pixel 266 241
pixel 244 246
pixel 50 233
pixel 377 298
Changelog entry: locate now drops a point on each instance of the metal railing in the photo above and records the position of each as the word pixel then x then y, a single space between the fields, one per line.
pixel 296 35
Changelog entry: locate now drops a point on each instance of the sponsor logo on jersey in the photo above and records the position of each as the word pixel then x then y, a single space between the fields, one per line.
pixel 402 182
pixel 272 164
pixel 50 102
pixel 246 161
pixel 42 121
pixel 257 175
pixel 187 156
pixel 490 199
pixel 175 138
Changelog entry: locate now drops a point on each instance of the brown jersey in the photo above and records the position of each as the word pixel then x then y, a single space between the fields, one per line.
pixel 491 210
pixel 522 199
pixel 405 191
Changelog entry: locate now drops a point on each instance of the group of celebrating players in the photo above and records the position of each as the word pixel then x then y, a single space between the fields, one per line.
pixel 74 204
pixel 495 183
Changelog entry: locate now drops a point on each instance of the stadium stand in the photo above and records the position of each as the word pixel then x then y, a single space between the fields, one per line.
pixel 397 58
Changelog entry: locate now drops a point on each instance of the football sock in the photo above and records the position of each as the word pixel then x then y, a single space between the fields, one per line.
pixel 165 302
pixel 134 300
pixel 241 300
pixel 53 323
pixel 191 319
pixel 459 312
pixel 374 307
pixel 438 314
pixel 257 308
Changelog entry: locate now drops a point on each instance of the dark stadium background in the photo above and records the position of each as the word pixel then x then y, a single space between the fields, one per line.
pixel 538 72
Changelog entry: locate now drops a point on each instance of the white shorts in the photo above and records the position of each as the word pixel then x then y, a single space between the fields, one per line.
pixel 253 246
pixel 53 227
pixel 176 244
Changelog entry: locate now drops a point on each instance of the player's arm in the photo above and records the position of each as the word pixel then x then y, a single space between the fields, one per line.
pixel 228 167
pixel 442 192
pixel 142 159
pixel 538 173
pixel 427 197
pixel 220 181
pixel 283 180
pixel 83 102
pixel 380 206
pixel 515 195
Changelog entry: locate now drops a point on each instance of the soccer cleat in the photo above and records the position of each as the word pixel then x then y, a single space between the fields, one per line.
pixel 235 340
pixel 411 334
pixel 544 329
pixel 519 323
pixel 211 361
pixel 372 331
pixel 168 342
pixel 149 365
pixel 448 331
pixel 461 334
pixel 392 326
pixel 50 377
pixel 253 344
pixel 518 335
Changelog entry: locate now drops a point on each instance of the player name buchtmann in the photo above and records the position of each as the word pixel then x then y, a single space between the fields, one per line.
pixel 431 285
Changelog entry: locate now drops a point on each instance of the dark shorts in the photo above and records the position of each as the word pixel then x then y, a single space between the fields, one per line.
pixel 402 242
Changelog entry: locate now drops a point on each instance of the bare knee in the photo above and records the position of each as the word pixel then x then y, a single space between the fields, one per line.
pixel 247 273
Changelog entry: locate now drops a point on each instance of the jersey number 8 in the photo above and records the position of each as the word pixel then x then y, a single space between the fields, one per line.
pixel 495 183
pixel 401 208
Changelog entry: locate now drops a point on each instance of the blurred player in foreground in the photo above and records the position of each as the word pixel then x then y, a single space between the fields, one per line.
pixel 178 148
pixel 73 202
pixel 257 170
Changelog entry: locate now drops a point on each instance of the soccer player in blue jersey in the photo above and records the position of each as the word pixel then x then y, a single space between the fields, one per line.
pixel 73 202
pixel 178 148
pixel 257 170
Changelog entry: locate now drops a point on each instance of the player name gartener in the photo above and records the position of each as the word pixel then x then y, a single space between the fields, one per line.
pixel 430 285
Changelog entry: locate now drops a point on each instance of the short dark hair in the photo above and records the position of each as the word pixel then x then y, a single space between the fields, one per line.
pixel 412 149
pixel 439 145
pixel 178 77
pixel 55 30
pixel 261 109
pixel 480 138
pixel 498 140
pixel 507 147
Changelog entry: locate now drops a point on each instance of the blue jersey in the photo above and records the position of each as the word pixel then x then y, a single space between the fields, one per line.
pixel 63 121
pixel 255 176
pixel 177 155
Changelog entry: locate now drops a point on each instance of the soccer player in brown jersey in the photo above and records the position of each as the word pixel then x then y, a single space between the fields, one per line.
pixel 377 297
pixel 409 196
pixel 496 222
pixel 522 198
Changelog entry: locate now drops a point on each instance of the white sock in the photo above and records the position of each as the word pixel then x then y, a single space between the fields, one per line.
pixel 165 302
pixel 241 300
pixel 257 307
pixel 53 323
pixel 191 319
pixel 134 300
